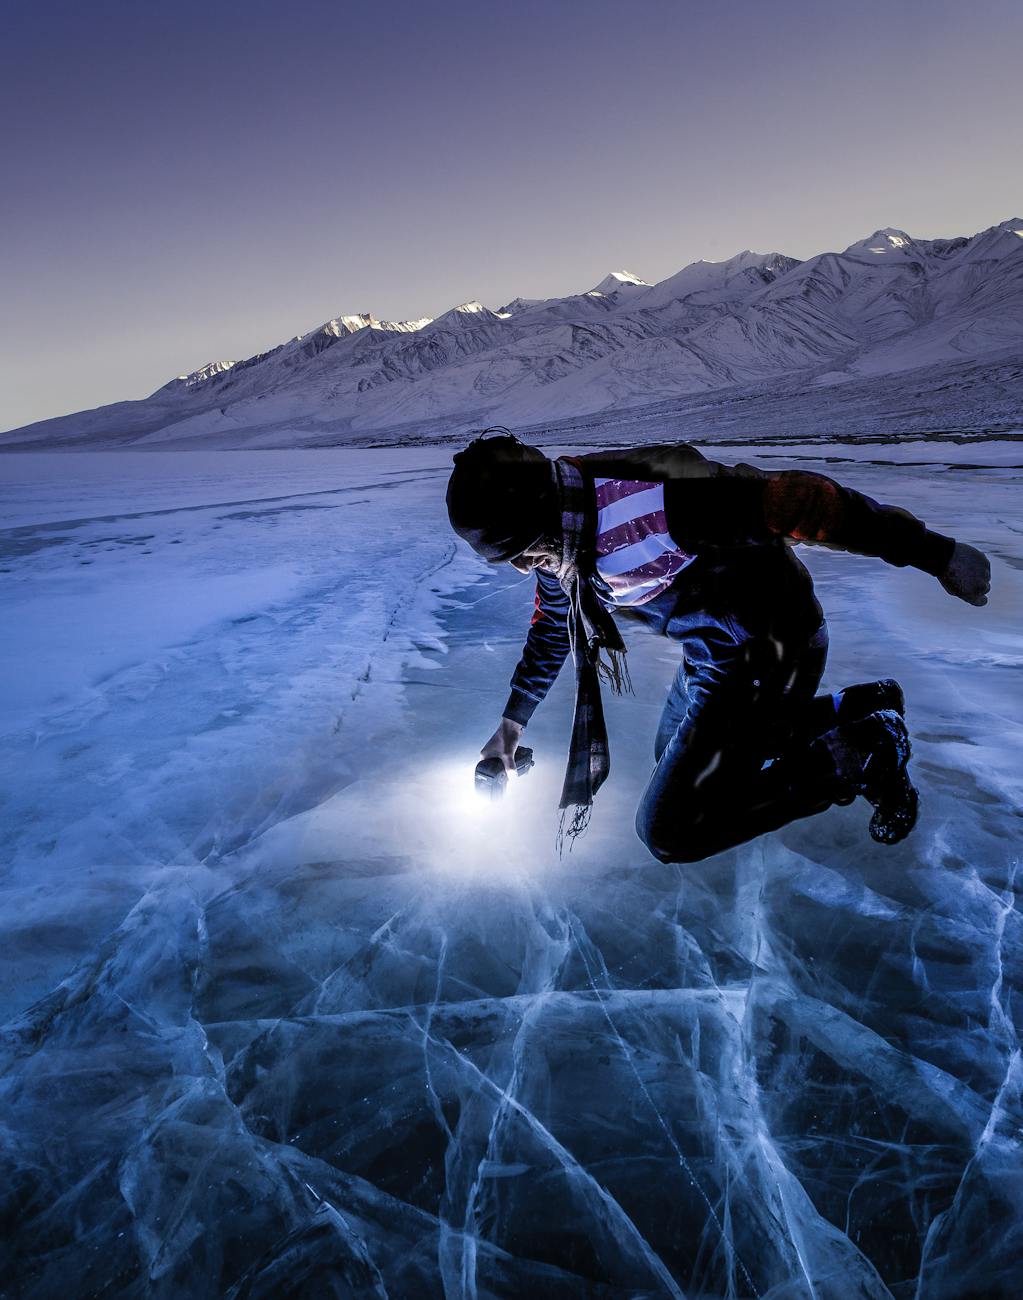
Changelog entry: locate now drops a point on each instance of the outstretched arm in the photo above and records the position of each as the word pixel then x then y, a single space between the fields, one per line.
pixel 545 650
pixel 727 505
pixel 814 508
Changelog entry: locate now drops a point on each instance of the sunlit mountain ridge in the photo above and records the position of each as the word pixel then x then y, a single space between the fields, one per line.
pixel 887 305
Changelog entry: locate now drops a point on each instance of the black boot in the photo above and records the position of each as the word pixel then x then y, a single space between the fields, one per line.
pixel 859 701
pixel 881 743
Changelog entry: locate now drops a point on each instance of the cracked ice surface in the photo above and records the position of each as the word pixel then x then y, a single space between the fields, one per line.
pixel 289 1013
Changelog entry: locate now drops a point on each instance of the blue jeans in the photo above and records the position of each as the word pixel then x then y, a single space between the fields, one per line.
pixel 737 701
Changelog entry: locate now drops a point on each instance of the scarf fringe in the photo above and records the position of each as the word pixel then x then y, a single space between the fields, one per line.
pixel 615 671
pixel 580 821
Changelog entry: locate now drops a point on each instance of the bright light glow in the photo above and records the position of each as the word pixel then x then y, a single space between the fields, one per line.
pixel 429 818
pixel 454 795
pixel 471 836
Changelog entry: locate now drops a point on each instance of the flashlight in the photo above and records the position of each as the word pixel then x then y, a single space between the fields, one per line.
pixel 491 776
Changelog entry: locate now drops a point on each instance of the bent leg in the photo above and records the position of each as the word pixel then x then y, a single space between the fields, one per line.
pixel 710 790
pixel 709 793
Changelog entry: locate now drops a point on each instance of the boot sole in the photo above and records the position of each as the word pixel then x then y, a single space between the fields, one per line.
pixel 896 800
pixel 891 823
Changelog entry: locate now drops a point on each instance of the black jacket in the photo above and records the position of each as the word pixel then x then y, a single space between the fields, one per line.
pixel 740 522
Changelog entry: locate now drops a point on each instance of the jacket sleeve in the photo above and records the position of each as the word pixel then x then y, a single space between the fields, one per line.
pixel 546 649
pixel 813 508
pixel 726 505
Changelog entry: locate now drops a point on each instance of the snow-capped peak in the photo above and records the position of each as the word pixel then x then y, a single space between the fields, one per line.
pixel 517 305
pixel 404 326
pixel 467 315
pixel 1014 226
pixel 888 242
pixel 619 280
pixel 342 325
pixel 205 372
pixel 348 324
pixel 735 276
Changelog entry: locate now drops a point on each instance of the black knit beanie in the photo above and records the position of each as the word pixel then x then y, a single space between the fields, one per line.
pixel 501 496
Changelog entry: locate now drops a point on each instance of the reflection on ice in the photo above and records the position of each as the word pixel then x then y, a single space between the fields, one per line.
pixel 466 834
pixel 432 815
pixel 466 829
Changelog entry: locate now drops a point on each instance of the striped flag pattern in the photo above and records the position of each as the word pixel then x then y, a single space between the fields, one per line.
pixel 636 556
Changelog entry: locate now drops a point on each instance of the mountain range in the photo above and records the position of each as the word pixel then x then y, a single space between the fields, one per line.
pixel 888 306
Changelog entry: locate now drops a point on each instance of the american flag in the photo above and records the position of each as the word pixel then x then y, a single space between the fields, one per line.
pixel 636 556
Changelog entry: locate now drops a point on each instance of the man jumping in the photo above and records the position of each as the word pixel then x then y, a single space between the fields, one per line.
pixel 703 553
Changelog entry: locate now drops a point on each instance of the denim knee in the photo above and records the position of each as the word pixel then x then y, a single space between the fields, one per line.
pixel 681 842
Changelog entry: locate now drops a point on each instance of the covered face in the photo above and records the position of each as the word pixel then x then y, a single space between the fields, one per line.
pixel 501 496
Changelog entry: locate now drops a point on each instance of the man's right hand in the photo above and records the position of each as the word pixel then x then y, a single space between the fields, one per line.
pixel 503 743
pixel 968 575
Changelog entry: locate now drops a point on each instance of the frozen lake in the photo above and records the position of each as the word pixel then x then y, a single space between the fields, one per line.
pixel 289 1012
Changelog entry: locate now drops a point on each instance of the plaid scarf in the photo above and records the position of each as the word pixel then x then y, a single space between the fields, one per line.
pixel 591 629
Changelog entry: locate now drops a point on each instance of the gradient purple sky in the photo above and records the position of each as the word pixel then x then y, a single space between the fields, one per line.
pixel 187 181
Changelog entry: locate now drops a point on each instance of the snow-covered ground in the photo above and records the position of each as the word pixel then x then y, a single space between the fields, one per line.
pixel 290 1012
